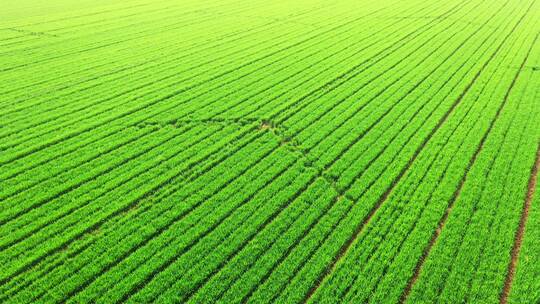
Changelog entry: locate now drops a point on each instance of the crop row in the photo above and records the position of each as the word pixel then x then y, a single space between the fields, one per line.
pixel 140 107
pixel 374 261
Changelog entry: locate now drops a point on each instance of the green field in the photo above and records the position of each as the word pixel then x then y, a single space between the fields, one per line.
pixel 197 151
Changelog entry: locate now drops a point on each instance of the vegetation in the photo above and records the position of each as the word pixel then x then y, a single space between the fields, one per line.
pixel 270 151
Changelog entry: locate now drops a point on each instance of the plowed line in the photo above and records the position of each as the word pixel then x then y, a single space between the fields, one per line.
pixel 34 149
pixel 91 47
pixel 457 193
pixel 383 198
pixel 521 230
pixel 203 44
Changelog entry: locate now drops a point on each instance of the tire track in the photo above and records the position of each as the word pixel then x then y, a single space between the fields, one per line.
pixel 457 192
pixel 346 246
pixel 520 232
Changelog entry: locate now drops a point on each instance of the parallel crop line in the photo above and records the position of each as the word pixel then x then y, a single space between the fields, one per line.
pixel 124 68
pixel 56 32
pixel 261 228
pixel 283 257
pixel 520 232
pixel 17 174
pixel 78 184
pixel 101 153
pixel 305 233
pixel 142 283
pixel 168 96
pixel 437 231
pixel 137 122
pixel 506 175
pixel 245 298
pixel 240 103
pixel 99 46
pixel 93 227
pixel 382 199
pixel 192 177
pixel 80 206
pixel 457 192
pixel 418 184
pixel 378 120
pixel 159 64
pixel 440 178
pixel 401 242
pixel 101 21
pixel 340 80
pixel 319 174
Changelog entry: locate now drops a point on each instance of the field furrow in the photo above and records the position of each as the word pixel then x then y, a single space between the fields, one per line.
pixel 269 152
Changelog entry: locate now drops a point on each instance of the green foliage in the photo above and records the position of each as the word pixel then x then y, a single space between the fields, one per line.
pixel 269 151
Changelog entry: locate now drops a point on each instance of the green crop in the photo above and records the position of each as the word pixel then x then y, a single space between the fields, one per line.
pixel 300 151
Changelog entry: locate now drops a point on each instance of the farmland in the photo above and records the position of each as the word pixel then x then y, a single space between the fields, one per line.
pixel 300 151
